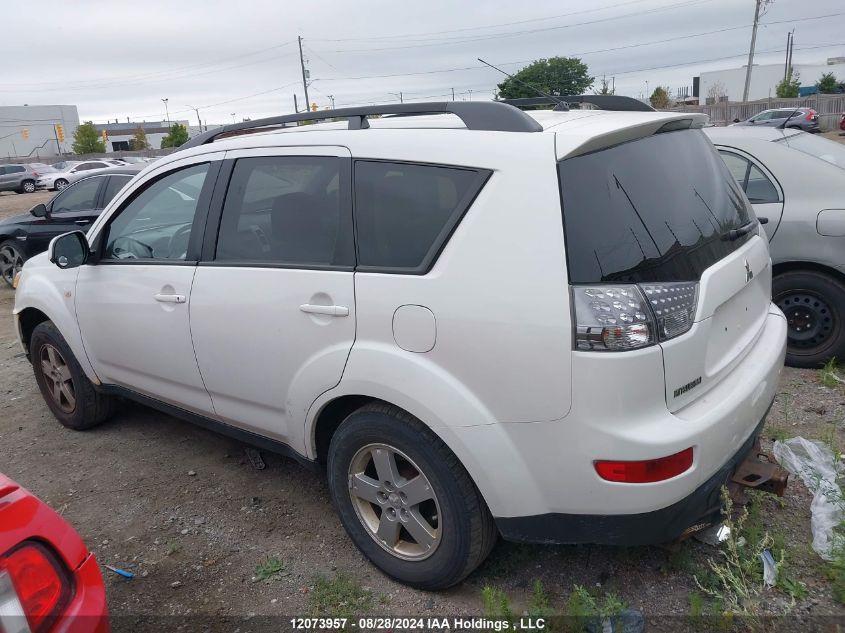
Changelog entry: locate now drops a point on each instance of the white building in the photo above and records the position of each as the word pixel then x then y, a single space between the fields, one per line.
pixel 37 122
pixel 764 79
pixel 120 134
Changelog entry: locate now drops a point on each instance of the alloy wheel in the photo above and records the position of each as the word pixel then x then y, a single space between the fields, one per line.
pixel 395 502
pixel 29 187
pixel 60 184
pixel 11 261
pixel 809 319
pixel 57 378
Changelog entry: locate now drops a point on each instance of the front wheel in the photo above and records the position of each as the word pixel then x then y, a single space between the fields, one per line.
pixel 405 499
pixel 814 305
pixel 66 389
pixel 60 184
pixel 11 261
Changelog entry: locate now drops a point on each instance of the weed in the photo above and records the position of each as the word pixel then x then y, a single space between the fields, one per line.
pixel 539 605
pixel 794 588
pixel 340 597
pixel 680 560
pixel 778 434
pixel 786 399
pixel 828 375
pixel 582 607
pixel 269 569
pixel 696 609
pixel 172 548
pixel 495 603
pixel 739 588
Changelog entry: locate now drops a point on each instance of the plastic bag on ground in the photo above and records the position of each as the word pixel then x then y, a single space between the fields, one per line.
pixel 815 464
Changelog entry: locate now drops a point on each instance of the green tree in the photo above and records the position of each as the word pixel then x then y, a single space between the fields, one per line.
pixel 554 76
pixel 827 84
pixel 177 136
pixel 139 140
pixel 86 140
pixel 788 88
pixel 660 98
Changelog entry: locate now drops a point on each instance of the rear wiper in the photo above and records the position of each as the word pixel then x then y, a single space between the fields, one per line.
pixel 735 234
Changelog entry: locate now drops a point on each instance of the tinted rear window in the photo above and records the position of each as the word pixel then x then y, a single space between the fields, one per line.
pixel 405 212
pixel 649 210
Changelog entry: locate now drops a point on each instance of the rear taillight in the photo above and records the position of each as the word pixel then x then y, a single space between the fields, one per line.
pixel 810 115
pixel 645 471
pixel 32 582
pixel 35 174
pixel 626 317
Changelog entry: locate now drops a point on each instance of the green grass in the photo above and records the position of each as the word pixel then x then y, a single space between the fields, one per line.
pixel 269 569
pixel 779 434
pixel 341 597
pixel 495 603
pixel 828 375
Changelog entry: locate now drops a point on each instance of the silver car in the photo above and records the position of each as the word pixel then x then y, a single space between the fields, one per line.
pixel 796 184
pixel 18 178
pixel 805 119
pixel 61 178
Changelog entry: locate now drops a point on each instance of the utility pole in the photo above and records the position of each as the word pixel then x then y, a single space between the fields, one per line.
pixel 453 94
pixel 789 60
pixel 198 115
pixel 233 117
pixel 304 76
pixel 167 111
pixel 295 104
pixel 757 5
pixel 398 94
pixel 332 98
pixel 470 95
pixel 786 57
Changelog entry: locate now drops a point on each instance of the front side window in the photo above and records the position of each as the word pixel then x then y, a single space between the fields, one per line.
pixel 79 196
pixel 115 184
pixel 754 182
pixel 405 212
pixel 287 210
pixel 157 223
pixel 657 209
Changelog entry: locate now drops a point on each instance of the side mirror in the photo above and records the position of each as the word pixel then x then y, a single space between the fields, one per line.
pixel 39 211
pixel 737 121
pixel 70 250
pixel 762 219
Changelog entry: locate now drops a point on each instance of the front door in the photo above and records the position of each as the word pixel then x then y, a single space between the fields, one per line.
pixel 273 305
pixel 133 302
pixel 73 209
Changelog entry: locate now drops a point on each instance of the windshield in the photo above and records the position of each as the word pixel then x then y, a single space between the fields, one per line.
pixel 823 148
pixel 651 210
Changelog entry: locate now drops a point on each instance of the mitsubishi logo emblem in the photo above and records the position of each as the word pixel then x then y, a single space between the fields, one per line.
pixel 749 274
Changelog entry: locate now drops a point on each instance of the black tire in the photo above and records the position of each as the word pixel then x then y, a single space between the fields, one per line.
pixel 90 407
pixel 814 305
pixel 12 259
pixel 59 184
pixel 27 186
pixel 466 529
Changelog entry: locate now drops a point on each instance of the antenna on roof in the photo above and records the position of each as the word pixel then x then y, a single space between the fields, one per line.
pixel 560 104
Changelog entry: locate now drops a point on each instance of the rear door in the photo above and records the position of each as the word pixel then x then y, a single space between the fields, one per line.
pixel 762 190
pixel 664 213
pixel 273 302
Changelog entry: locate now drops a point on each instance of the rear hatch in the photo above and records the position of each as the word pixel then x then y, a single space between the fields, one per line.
pixel 663 248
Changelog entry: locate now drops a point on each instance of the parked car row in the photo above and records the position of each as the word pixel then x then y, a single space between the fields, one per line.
pixel 29 177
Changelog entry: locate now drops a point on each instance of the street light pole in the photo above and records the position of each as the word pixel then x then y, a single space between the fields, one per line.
pixel 332 98
pixel 233 117
pixel 167 111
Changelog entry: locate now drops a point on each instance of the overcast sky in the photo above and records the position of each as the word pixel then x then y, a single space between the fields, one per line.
pixel 119 59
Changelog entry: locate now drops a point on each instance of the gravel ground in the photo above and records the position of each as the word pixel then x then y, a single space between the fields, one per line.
pixel 184 510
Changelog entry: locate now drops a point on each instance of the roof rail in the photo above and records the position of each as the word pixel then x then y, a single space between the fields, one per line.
pixel 605 102
pixel 476 115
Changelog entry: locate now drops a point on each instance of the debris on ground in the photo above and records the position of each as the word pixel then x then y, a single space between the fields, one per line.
pixel 120 572
pixel 255 458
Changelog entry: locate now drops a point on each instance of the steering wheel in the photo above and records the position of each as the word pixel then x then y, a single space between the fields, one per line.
pixel 133 249
pixel 177 249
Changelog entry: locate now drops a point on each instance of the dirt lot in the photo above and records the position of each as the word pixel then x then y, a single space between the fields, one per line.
pixel 200 528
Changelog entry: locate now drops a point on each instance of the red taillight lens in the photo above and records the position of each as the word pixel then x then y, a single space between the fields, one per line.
pixel 36 174
pixel 646 471
pixel 39 581
pixel 810 115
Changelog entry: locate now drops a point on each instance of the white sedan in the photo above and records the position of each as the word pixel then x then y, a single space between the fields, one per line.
pixel 59 179
pixel 796 181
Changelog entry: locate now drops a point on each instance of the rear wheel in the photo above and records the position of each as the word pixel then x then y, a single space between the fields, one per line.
pixel 28 186
pixel 405 499
pixel 11 261
pixel 814 305
pixel 66 389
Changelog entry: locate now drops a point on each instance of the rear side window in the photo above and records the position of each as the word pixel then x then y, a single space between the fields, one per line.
pixel 288 210
pixel 115 184
pixel 404 213
pixel 754 182
pixel 653 209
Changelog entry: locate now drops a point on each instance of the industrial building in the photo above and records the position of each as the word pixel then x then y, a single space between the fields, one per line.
pixel 30 131
pixel 120 135
pixel 728 84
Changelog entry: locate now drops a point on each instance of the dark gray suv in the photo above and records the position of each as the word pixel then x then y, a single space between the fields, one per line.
pixel 19 178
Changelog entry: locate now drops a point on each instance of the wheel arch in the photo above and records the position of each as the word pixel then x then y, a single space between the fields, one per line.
pixel 28 320
pixel 797 266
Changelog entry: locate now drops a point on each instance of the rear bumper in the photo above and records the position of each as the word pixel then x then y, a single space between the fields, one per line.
pixel 702 507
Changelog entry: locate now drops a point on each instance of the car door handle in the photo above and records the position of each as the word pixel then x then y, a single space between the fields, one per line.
pixel 170 298
pixel 340 311
pixel 82 222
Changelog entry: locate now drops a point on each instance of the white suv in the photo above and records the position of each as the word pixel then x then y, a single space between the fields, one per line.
pixel 552 326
